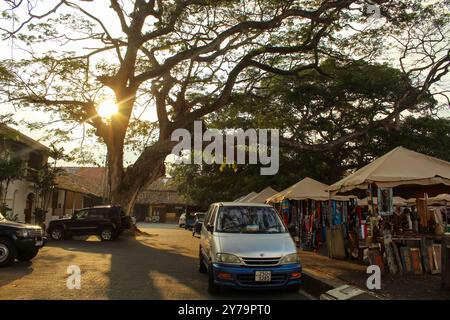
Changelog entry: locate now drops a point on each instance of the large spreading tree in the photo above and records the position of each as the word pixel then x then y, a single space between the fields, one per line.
pixel 185 58
pixel 292 105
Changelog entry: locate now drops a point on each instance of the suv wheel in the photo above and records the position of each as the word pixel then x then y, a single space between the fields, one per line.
pixel 57 233
pixel 8 252
pixel 201 265
pixel 212 287
pixel 28 255
pixel 107 234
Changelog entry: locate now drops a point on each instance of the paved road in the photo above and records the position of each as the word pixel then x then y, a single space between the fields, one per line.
pixel 162 265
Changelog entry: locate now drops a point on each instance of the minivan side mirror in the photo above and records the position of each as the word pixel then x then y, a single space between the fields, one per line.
pixel 210 227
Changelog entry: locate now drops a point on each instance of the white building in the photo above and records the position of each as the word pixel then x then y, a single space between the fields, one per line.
pixel 20 198
pixel 77 188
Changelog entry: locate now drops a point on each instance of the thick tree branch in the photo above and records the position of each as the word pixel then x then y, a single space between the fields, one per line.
pixel 239 28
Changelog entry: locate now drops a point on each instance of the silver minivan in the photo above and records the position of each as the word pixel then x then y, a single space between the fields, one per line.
pixel 247 245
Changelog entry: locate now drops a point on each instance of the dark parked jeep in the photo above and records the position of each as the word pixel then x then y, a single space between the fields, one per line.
pixel 108 222
pixel 19 241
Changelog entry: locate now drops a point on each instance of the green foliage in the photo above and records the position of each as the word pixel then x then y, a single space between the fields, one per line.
pixel 39 215
pixel 44 182
pixel 425 134
pixel 7 119
pixel 11 169
pixel 313 112
pixel 7 213
pixel 5 73
pixel 189 57
pixel 342 100
pixel 206 184
pixel 60 73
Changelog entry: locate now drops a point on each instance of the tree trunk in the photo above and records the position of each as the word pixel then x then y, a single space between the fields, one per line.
pixel 115 172
pixel 125 186
pixel 8 181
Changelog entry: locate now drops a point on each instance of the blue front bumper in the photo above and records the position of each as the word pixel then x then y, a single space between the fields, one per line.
pixel 244 277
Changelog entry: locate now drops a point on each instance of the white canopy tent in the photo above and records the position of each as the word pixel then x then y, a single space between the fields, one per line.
pixel 303 190
pixel 399 167
pixel 248 196
pixel 261 196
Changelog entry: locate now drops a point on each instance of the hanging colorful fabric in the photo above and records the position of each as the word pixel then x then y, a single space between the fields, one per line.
pixel 285 210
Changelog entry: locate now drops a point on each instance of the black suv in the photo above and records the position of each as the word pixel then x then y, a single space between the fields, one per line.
pixel 19 241
pixel 108 222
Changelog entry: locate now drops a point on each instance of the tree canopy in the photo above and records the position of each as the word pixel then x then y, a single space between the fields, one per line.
pixel 184 59
pixel 314 113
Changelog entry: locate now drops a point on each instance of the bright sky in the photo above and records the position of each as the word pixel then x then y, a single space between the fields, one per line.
pixel 109 19
pixel 12 50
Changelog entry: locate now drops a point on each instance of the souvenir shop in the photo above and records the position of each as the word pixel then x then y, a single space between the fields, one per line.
pixel 311 216
pixel 311 221
pixel 399 236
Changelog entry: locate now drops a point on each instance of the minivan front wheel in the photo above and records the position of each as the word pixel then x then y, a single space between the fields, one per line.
pixel 213 288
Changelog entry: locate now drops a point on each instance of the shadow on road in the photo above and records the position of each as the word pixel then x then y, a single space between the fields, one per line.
pixel 140 270
pixel 137 271
pixel 18 270
pixel 21 269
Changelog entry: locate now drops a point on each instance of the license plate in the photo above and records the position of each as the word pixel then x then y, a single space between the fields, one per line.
pixel 39 243
pixel 263 276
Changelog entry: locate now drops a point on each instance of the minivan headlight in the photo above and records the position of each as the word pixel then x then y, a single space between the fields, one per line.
pixel 290 258
pixel 227 258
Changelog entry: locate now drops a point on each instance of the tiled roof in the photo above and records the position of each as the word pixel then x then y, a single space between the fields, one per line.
pixel 20 137
pixel 161 191
pixel 73 183
pixel 160 197
pixel 91 178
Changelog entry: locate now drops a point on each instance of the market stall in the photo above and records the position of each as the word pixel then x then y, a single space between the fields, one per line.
pixel 439 206
pixel 397 202
pixel 400 240
pixel 247 196
pixel 261 196
pixel 309 212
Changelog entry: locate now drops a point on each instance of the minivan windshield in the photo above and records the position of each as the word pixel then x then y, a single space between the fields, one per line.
pixel 247 219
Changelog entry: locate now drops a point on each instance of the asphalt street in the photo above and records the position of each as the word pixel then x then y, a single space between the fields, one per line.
pixel 160 265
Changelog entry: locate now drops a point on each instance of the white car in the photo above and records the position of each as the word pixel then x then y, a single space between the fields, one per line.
pixel 247 245
pixel 182 220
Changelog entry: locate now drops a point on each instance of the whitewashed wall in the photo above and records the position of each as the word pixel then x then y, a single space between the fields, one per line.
pixel 16 199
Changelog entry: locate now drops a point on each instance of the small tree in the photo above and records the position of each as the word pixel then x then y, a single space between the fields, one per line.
pixel 10 170
pixel 44 182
